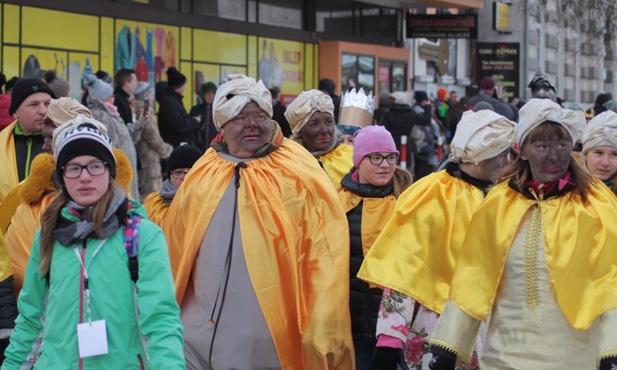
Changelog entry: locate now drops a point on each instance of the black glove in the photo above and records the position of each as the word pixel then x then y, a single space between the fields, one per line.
pixel 442 359
pixel 385 358
pixel 3 344
pixel 608 363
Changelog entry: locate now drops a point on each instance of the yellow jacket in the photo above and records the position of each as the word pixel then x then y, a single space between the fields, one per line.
pixel 337 162
pixel 296 244
pixel 417 250
pixel 156 208
pixel 8 161
pixel 579 242
pixel 37 191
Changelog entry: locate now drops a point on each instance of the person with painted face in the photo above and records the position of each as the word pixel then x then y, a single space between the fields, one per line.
pixel 259 246
pixel 178 165
pixel 78 277
pixel 368 193
pixel 599 138
pixel 539 257
pixel 541 87
pixel 414 263
pixel 311 117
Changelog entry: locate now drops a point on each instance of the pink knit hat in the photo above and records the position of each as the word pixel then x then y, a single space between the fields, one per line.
pixel 372 139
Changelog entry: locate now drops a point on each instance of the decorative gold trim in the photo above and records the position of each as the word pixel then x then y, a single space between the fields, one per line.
pixel 532 299
pixel 462 356
pixel 607 354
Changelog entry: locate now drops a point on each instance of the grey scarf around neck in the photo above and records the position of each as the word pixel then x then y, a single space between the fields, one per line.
pixel 168 191
pixel 80 230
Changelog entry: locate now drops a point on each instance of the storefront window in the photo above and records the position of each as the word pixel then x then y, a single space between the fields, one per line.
pixel 357 71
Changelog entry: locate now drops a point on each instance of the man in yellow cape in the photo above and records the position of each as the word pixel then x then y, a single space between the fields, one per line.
pixel 311 117
pixel 259 247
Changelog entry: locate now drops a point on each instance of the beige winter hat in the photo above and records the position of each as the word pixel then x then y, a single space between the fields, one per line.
pixel 601 130
pixel 232 96
pixel 302 108
pixel 62 110
pixel 400 97
pixel 537 111
pixel 481 135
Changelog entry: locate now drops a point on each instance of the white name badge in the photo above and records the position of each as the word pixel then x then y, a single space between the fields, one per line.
pixel 92 338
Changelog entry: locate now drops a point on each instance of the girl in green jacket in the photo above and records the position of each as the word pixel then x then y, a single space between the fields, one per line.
pixel 99 313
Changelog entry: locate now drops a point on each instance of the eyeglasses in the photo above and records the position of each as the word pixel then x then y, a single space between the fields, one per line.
pixel 377 159
pixel 73 171
pixel 178 174
pixel 256 117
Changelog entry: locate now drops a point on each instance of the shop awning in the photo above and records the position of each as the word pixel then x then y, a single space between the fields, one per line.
pixel 477 4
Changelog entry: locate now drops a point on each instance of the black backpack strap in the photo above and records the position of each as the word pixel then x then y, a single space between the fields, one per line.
pixel 131 244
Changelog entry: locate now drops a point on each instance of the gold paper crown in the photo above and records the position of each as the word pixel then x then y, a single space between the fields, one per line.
pixel 357 108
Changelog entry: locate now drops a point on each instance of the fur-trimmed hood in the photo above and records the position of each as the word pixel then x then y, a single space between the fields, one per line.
pixel 40 181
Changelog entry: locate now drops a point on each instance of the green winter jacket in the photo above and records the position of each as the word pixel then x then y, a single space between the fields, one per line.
pixel 111 290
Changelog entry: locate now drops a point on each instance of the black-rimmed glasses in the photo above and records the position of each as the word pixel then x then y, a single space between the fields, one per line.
pixel 178 174
pixel 377 159
pixel 73 171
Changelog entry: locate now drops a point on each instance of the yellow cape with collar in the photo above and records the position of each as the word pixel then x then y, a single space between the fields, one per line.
pixel 8 161
pixel 375 213
pixel 417 250
pixel 337 162
pixel 156 208
pixel 296 245
pixel 579 242
pixel 36 193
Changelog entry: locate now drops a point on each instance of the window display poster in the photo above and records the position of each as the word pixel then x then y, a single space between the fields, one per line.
pixel 147 48
pixel 281 65
pixel 501 61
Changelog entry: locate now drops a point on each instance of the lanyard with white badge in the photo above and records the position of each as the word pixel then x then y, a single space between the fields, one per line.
pixel 91 336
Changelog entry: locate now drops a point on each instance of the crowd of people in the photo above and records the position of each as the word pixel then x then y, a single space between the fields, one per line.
pixel 244 234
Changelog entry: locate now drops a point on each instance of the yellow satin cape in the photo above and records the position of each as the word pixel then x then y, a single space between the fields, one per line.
pixel 8 161
pixel 6 270
pixel 156 208
pixel 579 242
pixel 417 250
pixel 375 213
pixel 337 162
pixel 296 244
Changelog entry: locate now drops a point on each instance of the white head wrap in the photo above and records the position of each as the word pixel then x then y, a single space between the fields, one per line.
pixel 302 108
pixel 601 130
pixel 481 135
pixel 232 96
pixel 538 111
pixel 62 110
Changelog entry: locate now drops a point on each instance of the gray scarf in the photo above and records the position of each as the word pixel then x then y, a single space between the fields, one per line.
pixel 77 231
pixel 168 191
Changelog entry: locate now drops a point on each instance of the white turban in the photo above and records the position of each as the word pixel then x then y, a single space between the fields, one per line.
pixel 481 135
pixel 302 108
pixel 232 96
pixel 65 109
pixel 601 130
pixel 538 111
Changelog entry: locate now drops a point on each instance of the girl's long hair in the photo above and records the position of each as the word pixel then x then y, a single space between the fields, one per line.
pixel 49 221
pixel 401 180
pixel 519 170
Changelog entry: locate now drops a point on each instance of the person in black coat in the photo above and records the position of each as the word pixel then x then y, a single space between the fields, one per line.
pixel 126 83
pixel 278 112
pixel 207 129
pixel 328 86
pixel 175 124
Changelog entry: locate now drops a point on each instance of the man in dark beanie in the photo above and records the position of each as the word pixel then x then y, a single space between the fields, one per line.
pixel 487 94
pixel 175 124
pixel 22 140
pixel 328 86
pixel 178 165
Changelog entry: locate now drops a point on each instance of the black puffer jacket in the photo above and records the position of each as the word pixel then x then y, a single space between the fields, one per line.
pixel 364 301
pixel 175 124
pixel 400 119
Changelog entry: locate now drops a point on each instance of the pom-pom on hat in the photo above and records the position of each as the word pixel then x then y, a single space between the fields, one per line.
pixel 82 136
pixel 26 87
pixel 372 139
pixel 175 79
pixel 58 84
